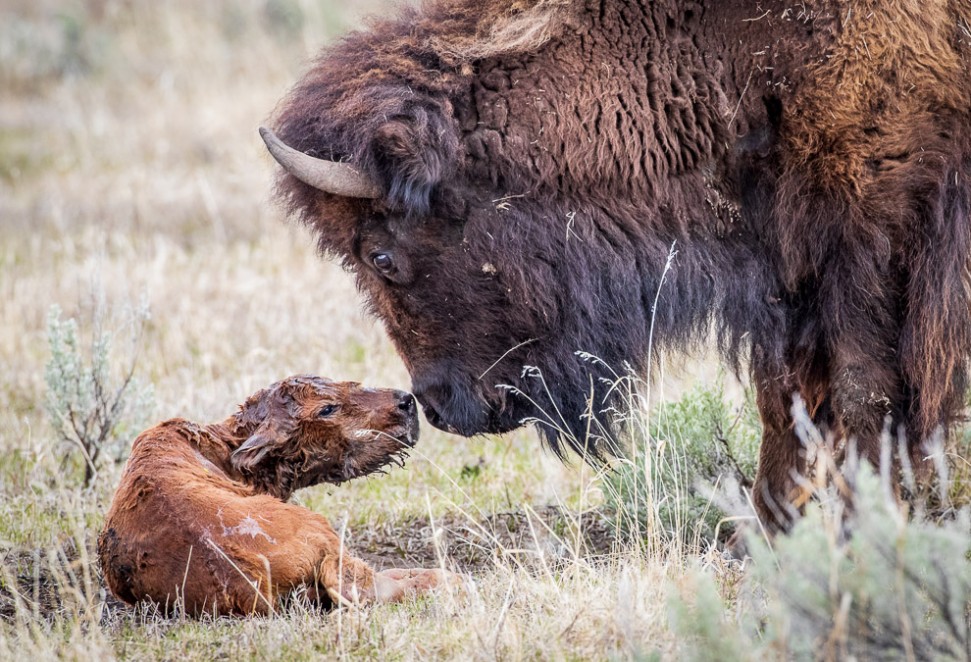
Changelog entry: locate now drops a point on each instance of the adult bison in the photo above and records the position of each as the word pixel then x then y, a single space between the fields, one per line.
pixel 506 179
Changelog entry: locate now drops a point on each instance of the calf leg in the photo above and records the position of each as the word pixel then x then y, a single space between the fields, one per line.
pixel 355 582
pixel 264 549
pixel 349 580
pixel 396 584
pixel 260 549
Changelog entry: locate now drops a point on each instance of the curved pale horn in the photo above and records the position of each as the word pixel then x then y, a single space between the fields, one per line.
pixel 330 176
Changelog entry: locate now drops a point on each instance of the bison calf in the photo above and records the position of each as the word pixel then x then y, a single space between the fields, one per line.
pixel 201 514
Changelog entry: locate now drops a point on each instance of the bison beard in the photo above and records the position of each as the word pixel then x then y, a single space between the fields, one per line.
pixel 536 162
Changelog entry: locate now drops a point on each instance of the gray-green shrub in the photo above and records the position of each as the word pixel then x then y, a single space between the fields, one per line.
pixel 876 584
pixel 678 456
pixel 94 401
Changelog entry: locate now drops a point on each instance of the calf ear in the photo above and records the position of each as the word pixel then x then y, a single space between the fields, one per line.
pixel 255 449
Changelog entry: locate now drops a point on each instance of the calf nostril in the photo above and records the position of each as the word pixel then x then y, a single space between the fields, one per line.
pixel 407 403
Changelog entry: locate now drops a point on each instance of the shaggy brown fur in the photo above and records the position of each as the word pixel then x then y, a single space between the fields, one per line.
pixel 201 514
pixel 810 164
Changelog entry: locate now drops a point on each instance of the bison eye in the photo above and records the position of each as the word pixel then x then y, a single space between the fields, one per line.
pixel 327 411
pixel 382 262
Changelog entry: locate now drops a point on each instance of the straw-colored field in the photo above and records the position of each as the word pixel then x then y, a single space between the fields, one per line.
pixel 131 173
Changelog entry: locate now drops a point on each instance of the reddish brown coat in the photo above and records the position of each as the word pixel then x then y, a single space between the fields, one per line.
pixel 201 519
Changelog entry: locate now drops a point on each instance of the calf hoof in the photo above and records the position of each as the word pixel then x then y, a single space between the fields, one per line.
pixel 399 583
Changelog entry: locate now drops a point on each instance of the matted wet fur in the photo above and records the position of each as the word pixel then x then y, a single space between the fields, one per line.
pixel 809 163
pixel 201 521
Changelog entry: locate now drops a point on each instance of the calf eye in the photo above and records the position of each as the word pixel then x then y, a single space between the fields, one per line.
pixel 327 411
pixel 382 262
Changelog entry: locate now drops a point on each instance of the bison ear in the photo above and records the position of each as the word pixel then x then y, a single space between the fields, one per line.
pixel 413 152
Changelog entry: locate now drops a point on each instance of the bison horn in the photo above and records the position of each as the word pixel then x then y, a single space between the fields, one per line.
pixel 330 176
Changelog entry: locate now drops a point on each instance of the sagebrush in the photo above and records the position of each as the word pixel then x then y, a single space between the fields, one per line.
pixel 94 401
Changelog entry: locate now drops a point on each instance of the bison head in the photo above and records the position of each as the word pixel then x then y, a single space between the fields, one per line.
pixel 514 267
pixel 505 308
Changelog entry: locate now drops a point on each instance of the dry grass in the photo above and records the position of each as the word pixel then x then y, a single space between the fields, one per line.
pixel 130 166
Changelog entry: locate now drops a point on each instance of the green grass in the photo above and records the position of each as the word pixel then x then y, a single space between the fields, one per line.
pixel 687 455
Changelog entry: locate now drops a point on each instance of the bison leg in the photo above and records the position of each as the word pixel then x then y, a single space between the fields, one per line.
pixel 866 396
pixel 781 460
pixel 936 339
pixel 782 456
pixel 862 314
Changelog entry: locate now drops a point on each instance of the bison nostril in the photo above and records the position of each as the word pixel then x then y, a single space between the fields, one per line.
pixel 406 403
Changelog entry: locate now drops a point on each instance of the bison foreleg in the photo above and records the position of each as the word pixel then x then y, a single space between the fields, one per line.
pixel 778 491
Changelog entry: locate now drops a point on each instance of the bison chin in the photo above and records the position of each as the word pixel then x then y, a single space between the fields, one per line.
pixel 476 422
pixel 563 415
pixel 457 407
